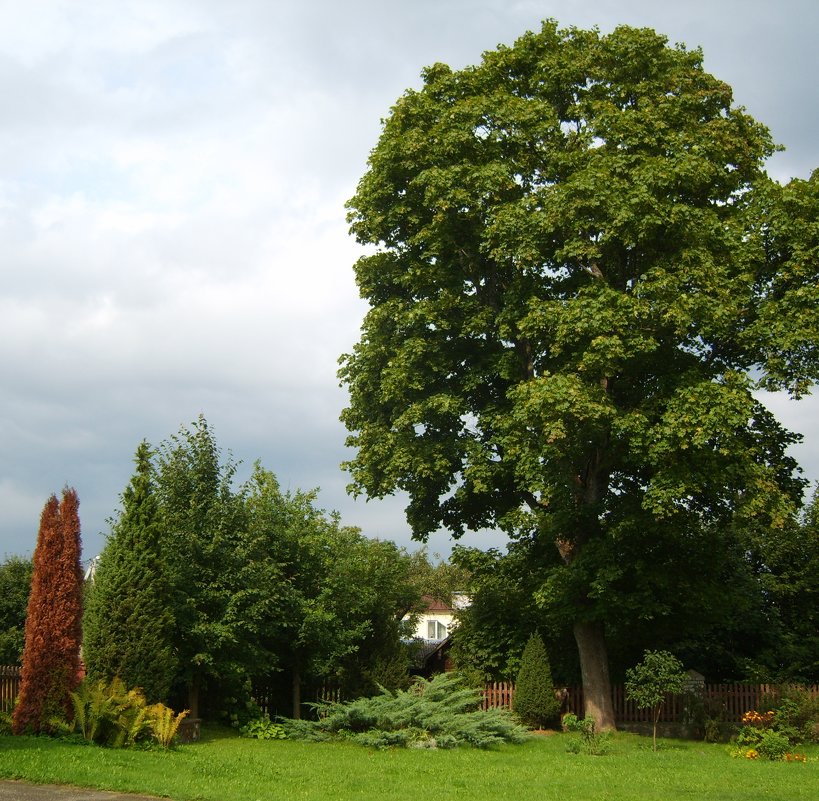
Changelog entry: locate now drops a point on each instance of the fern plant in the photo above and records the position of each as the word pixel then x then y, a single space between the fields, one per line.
pixel 108 713
pixel 165 723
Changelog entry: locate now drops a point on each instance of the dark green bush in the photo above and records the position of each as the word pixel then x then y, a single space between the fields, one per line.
pixel 535 702
pixel 797 716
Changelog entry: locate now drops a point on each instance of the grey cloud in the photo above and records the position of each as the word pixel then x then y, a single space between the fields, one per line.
pixel 172 181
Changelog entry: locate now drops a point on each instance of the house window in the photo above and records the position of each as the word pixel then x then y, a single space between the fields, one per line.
pixel 436 630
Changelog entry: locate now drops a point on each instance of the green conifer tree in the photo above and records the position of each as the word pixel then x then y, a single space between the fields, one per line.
pixel 129 624
pixel 535 702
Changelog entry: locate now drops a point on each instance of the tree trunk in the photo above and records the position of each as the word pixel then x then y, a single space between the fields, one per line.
pixel 594 668
pixel 296 694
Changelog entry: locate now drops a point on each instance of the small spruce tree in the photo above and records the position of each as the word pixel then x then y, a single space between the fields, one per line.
pixel 535 702
pixel 51 655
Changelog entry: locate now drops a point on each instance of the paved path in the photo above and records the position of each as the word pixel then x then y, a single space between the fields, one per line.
pixel 23 791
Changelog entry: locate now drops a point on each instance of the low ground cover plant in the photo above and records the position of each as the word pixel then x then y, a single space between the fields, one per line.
pixel 440 713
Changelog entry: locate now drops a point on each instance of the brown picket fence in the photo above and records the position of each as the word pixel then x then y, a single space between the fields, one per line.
pixel 726 702
pixel 9 686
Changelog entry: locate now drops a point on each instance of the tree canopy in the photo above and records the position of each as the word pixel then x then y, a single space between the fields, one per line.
pixel 578 273
pixel 207 585
pixel 15 584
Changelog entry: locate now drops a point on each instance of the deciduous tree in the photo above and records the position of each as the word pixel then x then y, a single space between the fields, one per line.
pixel 648 683
pixel 578 274
pixel 51 656
pixel 15 585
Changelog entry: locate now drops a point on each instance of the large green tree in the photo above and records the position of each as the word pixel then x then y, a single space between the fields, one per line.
pixel 578 273
pixel 128 622
pixel 15 584
pixel 342 596
pixel 787 569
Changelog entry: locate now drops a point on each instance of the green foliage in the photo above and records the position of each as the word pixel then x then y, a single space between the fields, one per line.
pixel 263 728
pixel 787 569
pixel 535 702
pixel 760 736
pixel 108 713
pixel 128 625
pixel 796 714
pixel 589 740
pixel 648 683
pixel 205 585
pixel 491 634
pixel 438 713
pixel 578 274
pixel 15 585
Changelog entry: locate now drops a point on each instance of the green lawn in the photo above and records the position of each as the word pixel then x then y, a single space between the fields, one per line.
pixel 226 768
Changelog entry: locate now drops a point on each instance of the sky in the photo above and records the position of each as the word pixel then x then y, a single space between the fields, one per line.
pixel 173 240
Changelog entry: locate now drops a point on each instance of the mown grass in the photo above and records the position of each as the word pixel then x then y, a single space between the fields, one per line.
pixel 224 767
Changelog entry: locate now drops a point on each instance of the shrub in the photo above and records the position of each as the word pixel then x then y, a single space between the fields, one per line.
pixel 440 713
pixel 773 745
pixel 797 716
pixel 535 702
pixel 262 728
pixel 761 738
pixel 589 740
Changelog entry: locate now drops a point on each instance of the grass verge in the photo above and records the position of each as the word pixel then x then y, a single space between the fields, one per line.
pixel 224 767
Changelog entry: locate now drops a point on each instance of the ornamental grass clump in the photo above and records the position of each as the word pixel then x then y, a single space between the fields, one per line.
pixel 440 713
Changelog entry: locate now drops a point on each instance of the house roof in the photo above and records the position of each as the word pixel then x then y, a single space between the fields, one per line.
pixel 435 605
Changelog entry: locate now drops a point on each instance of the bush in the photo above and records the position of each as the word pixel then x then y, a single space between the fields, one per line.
pixel 262 728
pixel 797 716
pixel 535 702
pixel 761 737
pixel 589 740
pixel 440 713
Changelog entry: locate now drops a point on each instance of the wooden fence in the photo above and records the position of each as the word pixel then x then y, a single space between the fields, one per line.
pixel 724 702
pixel 9 686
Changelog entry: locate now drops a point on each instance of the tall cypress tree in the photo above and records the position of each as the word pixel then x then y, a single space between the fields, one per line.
pixel 129 625
pixel 51 655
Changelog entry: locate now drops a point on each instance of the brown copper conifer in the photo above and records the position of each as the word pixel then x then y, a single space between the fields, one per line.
pixel 51 655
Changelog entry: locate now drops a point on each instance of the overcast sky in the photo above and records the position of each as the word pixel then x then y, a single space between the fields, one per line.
pixel 172 232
